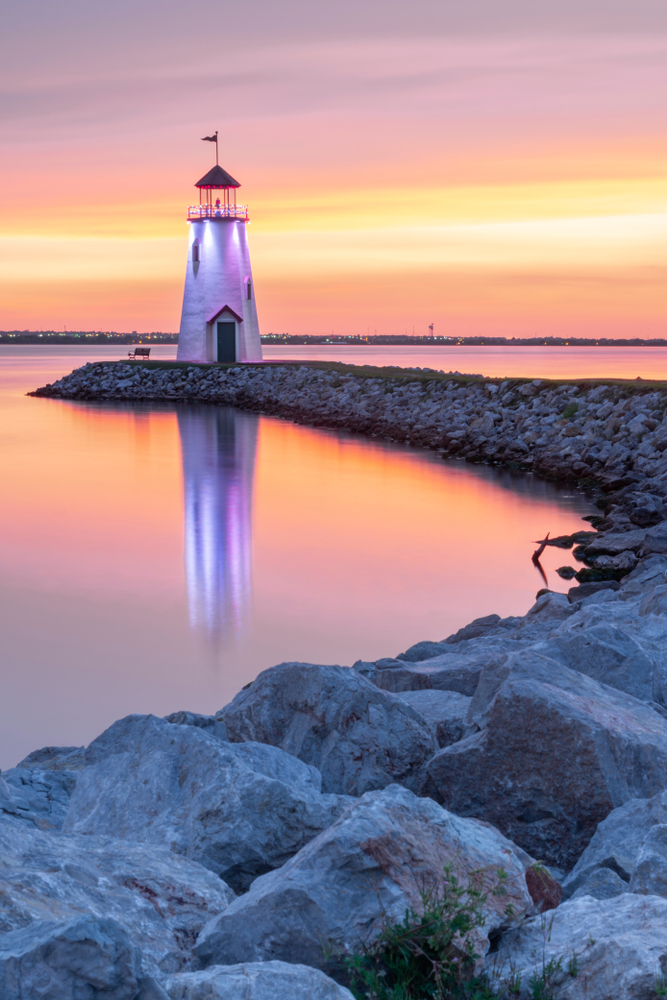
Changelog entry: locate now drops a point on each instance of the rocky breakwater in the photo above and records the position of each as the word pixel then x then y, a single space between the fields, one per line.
pixel 585 431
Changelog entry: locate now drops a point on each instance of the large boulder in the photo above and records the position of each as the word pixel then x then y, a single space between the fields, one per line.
pixel 333 718
pixel 445 711
pixel 161 900
pixel 617 845
pixel 371 865
pixel 611 655
pixel 255 981
pixel 238 809
pixel 449 671
pixel 71 960
pixel 556 751
pixel 587 949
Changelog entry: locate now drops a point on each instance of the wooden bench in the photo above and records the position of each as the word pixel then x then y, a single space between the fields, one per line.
pixel 140 352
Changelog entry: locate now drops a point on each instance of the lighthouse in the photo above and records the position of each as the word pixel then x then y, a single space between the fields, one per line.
pixel 219 317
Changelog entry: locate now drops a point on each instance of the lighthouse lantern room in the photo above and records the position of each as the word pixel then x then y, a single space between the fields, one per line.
pixel 219 317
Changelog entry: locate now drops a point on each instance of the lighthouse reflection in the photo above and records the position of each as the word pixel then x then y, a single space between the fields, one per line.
pixel 218 447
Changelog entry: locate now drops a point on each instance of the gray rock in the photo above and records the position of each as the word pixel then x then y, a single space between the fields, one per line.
pixel 237 809
pixel 208 723
pixel 626 560
pixel 39 796
pixel 649 572
pixel 655 540
pixel 80 958
pixel 655 601
pixel 520 771
pixel 605 948
pixel 358 737
pixel 447 672
pixel 370 865
pixel 610 544
pixel 603 883
pixel 162 900
pixel 445 711
pixel 585 590
pixel 255 981
pixel 612 656
pixel 550 607
pixel 649 876
pixel 55 759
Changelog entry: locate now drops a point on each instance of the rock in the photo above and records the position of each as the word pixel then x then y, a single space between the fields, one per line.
pixel 655 540
pixel 611 656
pixel 208 723
pixel 55 759
pixel 603 949
pixel 655 601
pixel 649 571
pixel 237 809
pixel 368 867
pixel 625 561
pixel 611 544
pixel 649 876
pixel 603 883
pixel 445 712
pixel 618 841
pixel 162 900
pixel 80 958
pixel 39 796
pixel 358 737
pixel 448 672
pixel 255 981
pixel 521 771
pixel 550 607
pixel 585 590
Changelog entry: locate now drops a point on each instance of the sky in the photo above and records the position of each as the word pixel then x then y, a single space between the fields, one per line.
pixel 494 169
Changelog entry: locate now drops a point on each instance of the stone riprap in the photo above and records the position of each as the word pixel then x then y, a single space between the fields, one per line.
pixel 239 810
pixel 588 949
pixel 567 431
pixel 536 736
pixel 370 865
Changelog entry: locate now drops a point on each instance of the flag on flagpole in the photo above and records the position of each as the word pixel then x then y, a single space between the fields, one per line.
pixel 210 138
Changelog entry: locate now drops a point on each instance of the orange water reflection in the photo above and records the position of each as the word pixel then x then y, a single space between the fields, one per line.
pixel 158 557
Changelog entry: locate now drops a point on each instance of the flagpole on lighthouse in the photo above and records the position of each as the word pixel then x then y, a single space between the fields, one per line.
pixel 213 138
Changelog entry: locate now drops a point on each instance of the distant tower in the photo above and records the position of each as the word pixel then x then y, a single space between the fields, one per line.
pixel 219 318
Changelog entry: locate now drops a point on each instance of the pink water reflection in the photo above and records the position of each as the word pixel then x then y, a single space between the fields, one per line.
pixel 157 557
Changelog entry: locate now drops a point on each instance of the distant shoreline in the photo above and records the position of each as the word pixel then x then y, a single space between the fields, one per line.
pixel 83 338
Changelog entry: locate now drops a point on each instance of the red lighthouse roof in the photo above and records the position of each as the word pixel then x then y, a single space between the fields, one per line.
pixel 217 178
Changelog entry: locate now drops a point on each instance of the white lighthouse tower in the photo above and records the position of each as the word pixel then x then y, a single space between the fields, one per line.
pixel 219 318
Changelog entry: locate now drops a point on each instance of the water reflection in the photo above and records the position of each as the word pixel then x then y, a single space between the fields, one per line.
pixel 218 449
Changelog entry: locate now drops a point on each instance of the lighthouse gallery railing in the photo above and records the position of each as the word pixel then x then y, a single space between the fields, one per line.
pixel 217 212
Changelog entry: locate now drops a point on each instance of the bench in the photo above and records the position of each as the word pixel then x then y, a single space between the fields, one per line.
pixel 140 352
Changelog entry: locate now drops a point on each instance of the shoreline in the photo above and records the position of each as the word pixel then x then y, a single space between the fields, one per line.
pixel 299 818
pixel 596 432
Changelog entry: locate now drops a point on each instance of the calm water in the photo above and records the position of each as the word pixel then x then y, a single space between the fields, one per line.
pixel 500 362
pixel 157 557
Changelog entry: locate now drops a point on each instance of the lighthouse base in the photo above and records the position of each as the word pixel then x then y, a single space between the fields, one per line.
pixel 219 317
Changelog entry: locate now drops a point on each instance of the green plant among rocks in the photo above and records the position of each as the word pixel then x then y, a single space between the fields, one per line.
pixel 430 954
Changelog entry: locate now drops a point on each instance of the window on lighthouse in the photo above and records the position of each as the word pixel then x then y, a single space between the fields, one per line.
pixel 248 288
pixel 195 252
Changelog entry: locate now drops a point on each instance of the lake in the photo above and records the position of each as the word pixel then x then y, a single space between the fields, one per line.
pixel 156 557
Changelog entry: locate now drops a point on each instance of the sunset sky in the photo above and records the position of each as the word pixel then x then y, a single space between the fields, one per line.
pixel 492 168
